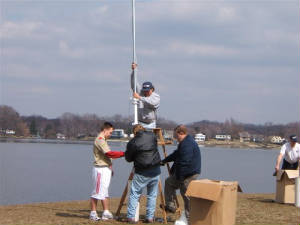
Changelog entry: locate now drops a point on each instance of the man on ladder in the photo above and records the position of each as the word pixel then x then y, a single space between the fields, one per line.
pixel 148 101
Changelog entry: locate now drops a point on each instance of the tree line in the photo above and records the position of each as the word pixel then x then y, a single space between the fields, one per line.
pixel 76 126
pixel 234 128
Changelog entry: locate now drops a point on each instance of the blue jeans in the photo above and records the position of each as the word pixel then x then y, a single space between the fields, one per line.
pixel 137 185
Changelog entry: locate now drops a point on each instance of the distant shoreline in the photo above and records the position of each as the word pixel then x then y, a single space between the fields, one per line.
pixel 53 141
pixel 89 141
pixel 238 144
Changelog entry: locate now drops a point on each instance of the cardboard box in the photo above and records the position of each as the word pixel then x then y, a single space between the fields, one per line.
pixel 212 202
pixel 285 186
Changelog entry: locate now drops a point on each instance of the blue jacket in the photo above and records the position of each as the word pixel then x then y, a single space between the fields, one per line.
pixel 187 159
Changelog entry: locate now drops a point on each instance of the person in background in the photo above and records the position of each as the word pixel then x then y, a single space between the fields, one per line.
pixel 148 102
pixel 102 172
pixel 290 153
pixel 143 152
pixel 186 167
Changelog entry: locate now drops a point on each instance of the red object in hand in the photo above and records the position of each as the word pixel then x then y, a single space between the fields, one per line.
pixel 115 154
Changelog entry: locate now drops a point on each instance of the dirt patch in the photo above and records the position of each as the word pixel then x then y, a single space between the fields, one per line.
pixel 259 209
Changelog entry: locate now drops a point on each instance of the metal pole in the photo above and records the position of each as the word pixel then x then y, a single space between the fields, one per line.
pixel 297 191
pixel 135 102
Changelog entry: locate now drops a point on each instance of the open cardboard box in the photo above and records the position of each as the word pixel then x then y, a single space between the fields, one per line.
pixel 285 186
pixel 213 202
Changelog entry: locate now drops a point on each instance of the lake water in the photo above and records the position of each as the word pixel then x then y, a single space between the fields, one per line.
pixel 46 172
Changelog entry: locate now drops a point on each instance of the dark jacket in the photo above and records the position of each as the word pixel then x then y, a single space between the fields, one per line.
pixel 187 159
pixel 143 151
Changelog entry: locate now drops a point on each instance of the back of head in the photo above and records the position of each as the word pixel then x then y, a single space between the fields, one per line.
pixel 181 129
pixel 106 125
pixel 136 128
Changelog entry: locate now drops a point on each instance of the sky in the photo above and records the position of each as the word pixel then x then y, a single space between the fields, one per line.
pixel 208 59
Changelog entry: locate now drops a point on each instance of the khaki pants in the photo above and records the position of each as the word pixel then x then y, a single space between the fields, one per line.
pixel 171 185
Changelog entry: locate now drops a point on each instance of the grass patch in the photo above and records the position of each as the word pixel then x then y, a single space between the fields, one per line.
pixel 253 209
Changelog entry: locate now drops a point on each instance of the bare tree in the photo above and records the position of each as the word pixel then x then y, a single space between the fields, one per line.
pixel 10 120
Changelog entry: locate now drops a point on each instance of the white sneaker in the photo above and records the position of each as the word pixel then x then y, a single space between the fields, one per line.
pixel 106 215
pixel 94 217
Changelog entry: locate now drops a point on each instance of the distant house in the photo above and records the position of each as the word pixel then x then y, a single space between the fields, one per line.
pixel 277 140
pixel 200 137
pixel 118 133
pixel 81 136
pixel 10 132
pixel 60 136
pixel 168 134
pixel 223 137
pixel 7 132
pixel 244 136
pixel 258 138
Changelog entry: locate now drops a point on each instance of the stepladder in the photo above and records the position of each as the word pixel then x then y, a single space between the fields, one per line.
pixel 161 142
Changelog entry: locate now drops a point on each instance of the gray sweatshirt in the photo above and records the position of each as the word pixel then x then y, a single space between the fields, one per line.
pixel 147 106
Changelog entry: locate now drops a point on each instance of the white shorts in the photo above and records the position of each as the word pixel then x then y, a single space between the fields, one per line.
pixel 101 181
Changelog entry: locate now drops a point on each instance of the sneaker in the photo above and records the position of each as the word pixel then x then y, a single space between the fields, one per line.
pixel 94 217
pixel 131 221
pixel 168 208
pixel 107 215
pixel 149 221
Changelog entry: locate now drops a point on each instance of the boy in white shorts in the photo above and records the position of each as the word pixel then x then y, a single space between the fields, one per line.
pixel 102 172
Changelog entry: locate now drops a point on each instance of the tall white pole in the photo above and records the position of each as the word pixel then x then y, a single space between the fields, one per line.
pixel 135 102
pixel 297 192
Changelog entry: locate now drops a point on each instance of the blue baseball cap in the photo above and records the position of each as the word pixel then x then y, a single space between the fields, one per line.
pixel 293 138
pixel 147 86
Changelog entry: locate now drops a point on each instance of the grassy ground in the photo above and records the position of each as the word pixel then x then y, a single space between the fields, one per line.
pixel 252 209
pixel 238 144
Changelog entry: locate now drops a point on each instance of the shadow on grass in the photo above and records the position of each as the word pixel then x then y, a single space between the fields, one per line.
pixel 72 215
pixel 263 200
pixel 272 201
pixel 60 209
pixel 269 201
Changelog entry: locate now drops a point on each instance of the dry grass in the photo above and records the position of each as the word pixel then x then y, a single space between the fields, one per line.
pixel 238 144
pixel 252 209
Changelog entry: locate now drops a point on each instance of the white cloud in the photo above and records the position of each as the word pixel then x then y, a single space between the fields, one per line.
pixel 206 12
pixel 280 36
pixel 226 14
pixel 20 71
pixel 201 49
pixel 204 48
pixel 147 52
pixel 27 89
pixel 99 10
pixel 67 51
pixel 18 30
pixel 39 90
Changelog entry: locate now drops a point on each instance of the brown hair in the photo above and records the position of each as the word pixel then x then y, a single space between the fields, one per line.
pixel 106 125
pixel 136 128
pixel 181 129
